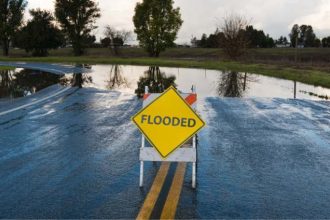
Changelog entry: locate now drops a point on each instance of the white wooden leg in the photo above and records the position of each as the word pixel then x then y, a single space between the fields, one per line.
pixel 194 176
pixel 141 173
pixel 194 166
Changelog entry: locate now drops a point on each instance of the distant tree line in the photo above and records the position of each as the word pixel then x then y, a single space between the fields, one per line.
pixel 156 26
pixel 254 39
pixel 301 36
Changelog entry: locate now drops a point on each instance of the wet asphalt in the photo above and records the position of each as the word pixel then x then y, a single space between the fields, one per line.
pixel 75 155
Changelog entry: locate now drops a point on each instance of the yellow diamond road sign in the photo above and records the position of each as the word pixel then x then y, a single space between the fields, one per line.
pixel 168 122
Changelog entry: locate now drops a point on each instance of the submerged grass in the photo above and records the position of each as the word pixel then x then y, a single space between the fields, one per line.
pixel 308 76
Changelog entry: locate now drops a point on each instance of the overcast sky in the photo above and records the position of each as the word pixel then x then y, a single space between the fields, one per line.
pixel 275 17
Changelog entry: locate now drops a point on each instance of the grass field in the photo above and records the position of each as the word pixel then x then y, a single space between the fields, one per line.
pixel 304 54
pixel 313 66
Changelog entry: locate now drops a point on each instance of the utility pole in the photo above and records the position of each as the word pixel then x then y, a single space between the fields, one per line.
pixel 296 56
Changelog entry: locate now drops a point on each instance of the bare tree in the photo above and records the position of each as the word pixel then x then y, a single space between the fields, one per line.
pixel 117 38
pixel 234 40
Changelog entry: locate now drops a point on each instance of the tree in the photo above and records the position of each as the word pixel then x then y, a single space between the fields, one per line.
pixel 326 42
pixel 194 41
pixel 215 40
pixel 106 42
pixel 117 38
pixel 234 40
pixel 12 12
pixel 212 41
pixel 317 42
pixel 40 34
pixel 294 35
pixel 156 24
pixel 307 35
pixel 77 18
pixel 282 41
pixel 257 38
pixel 203 41
pixel 303 35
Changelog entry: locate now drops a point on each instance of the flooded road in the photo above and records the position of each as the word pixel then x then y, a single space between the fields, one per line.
pixel 261 158
pixel 72 152
pixel 75 156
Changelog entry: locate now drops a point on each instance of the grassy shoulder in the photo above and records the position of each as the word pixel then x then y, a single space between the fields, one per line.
pixel 6 68
pixel 308 76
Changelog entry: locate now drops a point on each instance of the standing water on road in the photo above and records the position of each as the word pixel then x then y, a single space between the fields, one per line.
pixel 73 153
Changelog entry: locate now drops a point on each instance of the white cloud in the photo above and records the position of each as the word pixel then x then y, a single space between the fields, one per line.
pixel 319 19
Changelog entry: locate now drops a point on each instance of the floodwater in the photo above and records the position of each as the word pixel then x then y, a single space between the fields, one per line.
pixel 133 79
pixel 209 83
pixel 70 152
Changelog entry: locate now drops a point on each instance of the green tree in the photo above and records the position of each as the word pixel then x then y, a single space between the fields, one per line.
pixel 40 34
pixel 308 36
pixel 303 35
pixel 77 18
pixel 326 42
pixel 11 16
pixel 282 41
pixel 257 38
pixel 294 35
pixel 156 25
pixel 106 42
pixel 203 41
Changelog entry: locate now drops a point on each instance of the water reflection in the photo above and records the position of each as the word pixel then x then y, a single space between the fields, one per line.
pixel 76 80
pixel 116 80
pixel 6 84
pixel 133 79
pixel 15 84
pixel 79 79
pixel 233 84
pixel 25 82
pixel 156 80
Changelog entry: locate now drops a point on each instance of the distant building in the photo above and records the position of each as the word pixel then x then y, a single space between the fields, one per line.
pixel 283 45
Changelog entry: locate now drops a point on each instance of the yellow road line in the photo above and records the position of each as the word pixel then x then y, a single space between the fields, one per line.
pixel 172 200
pixel 153 194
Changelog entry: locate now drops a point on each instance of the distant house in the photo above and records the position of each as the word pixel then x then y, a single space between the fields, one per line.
pixel 283 45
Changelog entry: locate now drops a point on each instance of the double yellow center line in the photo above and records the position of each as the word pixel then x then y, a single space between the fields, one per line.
pixel 172 200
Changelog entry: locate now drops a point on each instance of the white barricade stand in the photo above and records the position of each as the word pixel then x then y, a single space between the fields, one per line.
pixel 187 153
